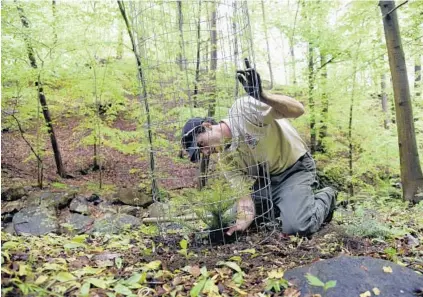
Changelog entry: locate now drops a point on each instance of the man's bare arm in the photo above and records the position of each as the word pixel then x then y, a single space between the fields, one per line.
pixel 286 106
pixel 245 214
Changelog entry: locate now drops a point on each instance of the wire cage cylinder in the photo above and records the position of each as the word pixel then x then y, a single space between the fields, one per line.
pixel 189 53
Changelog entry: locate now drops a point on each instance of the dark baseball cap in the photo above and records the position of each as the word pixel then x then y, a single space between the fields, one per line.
pixel 191 129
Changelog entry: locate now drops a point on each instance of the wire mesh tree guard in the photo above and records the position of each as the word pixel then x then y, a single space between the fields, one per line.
pixel 187 55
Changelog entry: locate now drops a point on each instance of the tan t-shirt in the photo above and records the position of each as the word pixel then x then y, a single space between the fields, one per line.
pixel 260 135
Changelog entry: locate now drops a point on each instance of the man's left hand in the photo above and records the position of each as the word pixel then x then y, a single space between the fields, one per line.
pixel 251 81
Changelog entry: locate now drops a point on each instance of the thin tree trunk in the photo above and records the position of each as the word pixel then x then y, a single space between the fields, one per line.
pixel 311 99
pixel 41 97
pixel 53 8
pixel 411 172
pixel 119 48
pixel 323 129
pixel 154 186
pixel 236 53
pixel 197 63
pixel 213 59
pixel 384 99
pixel 269 63
pixel 291 47
pixel 417 76
pixel 180 26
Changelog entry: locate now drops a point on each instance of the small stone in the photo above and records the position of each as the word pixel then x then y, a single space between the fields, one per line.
pixel 115 223
pixel 77 224
pixel 135 197
pixel 411 240
pixel 11 194
pixel 157 210
pixel 79 205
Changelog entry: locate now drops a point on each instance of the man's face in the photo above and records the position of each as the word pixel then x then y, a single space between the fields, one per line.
pixel 210 141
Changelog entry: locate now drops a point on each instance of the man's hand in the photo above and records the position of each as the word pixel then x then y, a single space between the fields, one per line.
pixel 245 215
pixel 250 79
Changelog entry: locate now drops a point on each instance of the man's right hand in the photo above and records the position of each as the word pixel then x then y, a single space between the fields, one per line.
pixel 250 80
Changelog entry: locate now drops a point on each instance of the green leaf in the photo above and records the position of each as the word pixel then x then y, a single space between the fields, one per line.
pixel 64 276
pixel 41 279
pixel 80 238
pixel 238 278
pixel 73 245
pixel 119 262
pixel 314 281
pixel 184 244
pixel 153 265
pixel 231 265
pixel 99 283
pixel 204 272
pixel 9 245
pixel 329 284
pixel 198 288
pixel 136 278
pixel 236 259
pixel 249 251
pixel 121 289
pixel 85 289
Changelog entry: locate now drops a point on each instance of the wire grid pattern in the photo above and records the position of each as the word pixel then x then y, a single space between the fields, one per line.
pixel 190 51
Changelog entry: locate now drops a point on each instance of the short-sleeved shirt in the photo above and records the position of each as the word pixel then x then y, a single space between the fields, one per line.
pixel 260 135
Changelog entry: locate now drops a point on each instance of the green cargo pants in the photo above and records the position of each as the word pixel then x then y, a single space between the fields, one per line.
pixel 295 202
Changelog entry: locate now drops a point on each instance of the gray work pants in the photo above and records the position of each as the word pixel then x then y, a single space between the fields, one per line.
pixel 301 209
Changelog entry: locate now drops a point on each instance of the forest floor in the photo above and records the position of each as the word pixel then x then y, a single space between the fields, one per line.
pixel 143 263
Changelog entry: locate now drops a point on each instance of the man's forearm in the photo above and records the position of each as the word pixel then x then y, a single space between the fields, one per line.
pixel 286 106
pixel 246 208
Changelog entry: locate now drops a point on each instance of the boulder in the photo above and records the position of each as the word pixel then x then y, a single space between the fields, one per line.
pixel 11 194
pixel 77 223
pixel 12 206
pixel 79 205
pixel 35 220
pixel 8 228
pixel 58 200
pixel 115 223
pixel 135 197
pixel 357 275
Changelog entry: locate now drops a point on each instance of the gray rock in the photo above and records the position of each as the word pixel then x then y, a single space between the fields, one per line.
pixel 11 194
pixel 57 200
pixel 8 228
pixel 134 197
pixel 35 220
pixel 78 224
pixel 356 275
pixel 79 205
pixel 114 223
pixel 158 210
pixel 11 206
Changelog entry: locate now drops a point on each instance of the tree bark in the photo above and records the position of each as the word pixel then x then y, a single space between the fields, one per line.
pixel 213 59
pixel 53 8
pixel 154 186
pixel 180 27
pixel 291 47
pixel 269 63
pixel 42 99
pixel 323 129
pixel 197 63
pixel 311 102
pixel 411 172
pixel 235 35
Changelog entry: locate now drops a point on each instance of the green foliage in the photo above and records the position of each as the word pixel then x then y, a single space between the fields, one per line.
pixel 316 282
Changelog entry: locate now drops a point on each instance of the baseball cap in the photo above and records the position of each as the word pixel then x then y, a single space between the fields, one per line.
pixel 191 129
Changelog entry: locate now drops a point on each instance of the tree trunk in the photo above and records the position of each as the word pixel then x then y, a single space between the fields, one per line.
pixel 417 76
pixel 197 63
pixel 323 129
pixel 41 97
pixel 291 46
pixel 154 186
pixel 411 172
pixel 267 44
pixel 213 59
pixel 311 102
pixel 384 99
pixel 235 35
pixel 180 26
pixel 53 8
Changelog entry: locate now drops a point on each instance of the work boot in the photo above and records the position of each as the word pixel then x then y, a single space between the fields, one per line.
pixel 332 208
